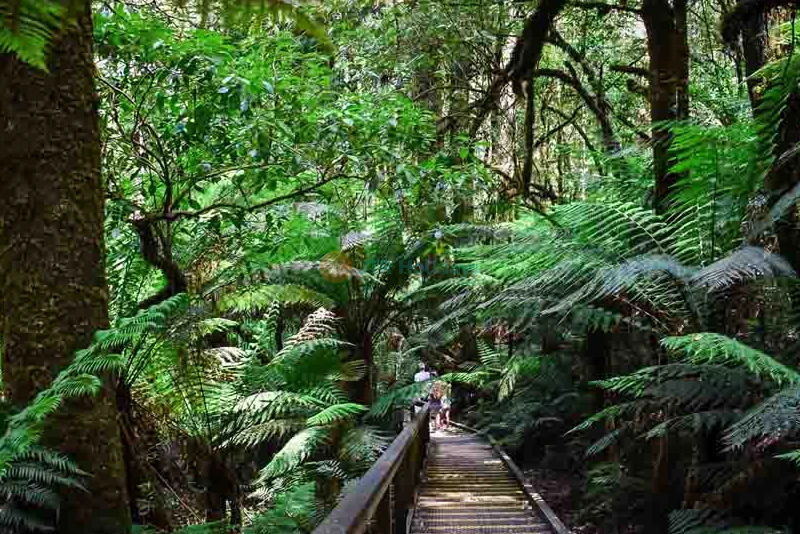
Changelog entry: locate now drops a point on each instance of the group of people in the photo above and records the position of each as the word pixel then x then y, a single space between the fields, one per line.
pixel 438 399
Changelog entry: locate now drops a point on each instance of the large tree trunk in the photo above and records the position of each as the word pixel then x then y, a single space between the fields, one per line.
pixel 54 291
pixel 754 48
pixel 669 68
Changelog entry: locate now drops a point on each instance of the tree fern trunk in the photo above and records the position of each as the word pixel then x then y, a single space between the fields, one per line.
pixel 786 176
pixel 54 290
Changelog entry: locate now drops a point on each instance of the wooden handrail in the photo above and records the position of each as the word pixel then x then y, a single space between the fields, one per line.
pixel 378 495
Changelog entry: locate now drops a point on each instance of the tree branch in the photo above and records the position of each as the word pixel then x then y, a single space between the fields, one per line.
pixel 524 59
pixel 630 69
pixel 175 215
pixel 605 9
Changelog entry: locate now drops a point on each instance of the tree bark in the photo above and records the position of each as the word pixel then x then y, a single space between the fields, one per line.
pixel 784 177
pixel 54 290
pixel 669 100
pixel 754 48
pixel 748 19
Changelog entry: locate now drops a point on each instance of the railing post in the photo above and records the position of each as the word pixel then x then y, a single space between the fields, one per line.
pixel 384 516
pixel 425 431
pixel 405 481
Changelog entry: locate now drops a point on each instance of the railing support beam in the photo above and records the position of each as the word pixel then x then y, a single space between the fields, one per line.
pixel 382 497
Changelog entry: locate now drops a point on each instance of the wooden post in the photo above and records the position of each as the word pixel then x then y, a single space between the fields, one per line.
pixel 404 484
pixel 425 430
pixel 384 515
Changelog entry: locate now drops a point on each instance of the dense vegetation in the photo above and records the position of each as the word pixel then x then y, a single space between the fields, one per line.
pixel 230 231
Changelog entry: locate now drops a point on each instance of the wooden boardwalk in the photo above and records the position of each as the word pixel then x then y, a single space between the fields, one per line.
pixel 468 488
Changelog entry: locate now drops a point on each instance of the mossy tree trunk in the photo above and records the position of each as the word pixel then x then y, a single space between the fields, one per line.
pixel 54 290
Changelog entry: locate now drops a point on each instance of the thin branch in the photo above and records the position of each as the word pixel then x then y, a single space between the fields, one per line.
pixel 553 131
pixel 606 8
pixel 175 215
pixel 630 69
pixel 524 59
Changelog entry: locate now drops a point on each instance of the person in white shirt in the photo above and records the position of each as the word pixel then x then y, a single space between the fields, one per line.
pixel 423 374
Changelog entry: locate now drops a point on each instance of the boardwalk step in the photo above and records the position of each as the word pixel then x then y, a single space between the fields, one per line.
pixel 480 520
pixel 467 489
pixel 529 527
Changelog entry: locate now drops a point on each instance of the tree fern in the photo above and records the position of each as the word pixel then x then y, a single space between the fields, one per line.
pixel 29 25
pixel 718 349
pixel 29 489
pixel 335 413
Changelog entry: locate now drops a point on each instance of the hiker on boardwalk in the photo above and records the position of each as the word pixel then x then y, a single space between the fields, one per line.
pixel 423 375
pixel 445 411
pixel 435 406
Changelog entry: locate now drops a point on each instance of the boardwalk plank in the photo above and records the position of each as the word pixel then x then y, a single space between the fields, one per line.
pixel 468 489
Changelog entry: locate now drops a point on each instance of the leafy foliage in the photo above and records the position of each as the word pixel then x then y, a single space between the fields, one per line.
pixel 305 201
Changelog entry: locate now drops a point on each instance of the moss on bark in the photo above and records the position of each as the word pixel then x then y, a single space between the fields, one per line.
pixel 54 292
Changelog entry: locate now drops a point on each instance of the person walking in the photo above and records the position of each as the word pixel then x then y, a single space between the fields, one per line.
pixel 423 375
pixel 445 411
pixel 435 406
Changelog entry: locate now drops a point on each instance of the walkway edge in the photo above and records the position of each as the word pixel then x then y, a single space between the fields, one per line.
pixel 535 498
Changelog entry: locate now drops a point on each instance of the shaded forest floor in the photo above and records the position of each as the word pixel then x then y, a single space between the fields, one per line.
pixel 563 492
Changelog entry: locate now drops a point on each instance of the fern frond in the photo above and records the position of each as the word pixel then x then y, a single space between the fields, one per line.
pixel 777 418
pixel 336 413
pixel 605 442
pixel 745 263
pixel 28 26
pixel 621 229
pixel 252 435
pixel 711 348
pixel 400 396
pixel 297 450
pixel 258 298
pixel 362 445
pixel 610 412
